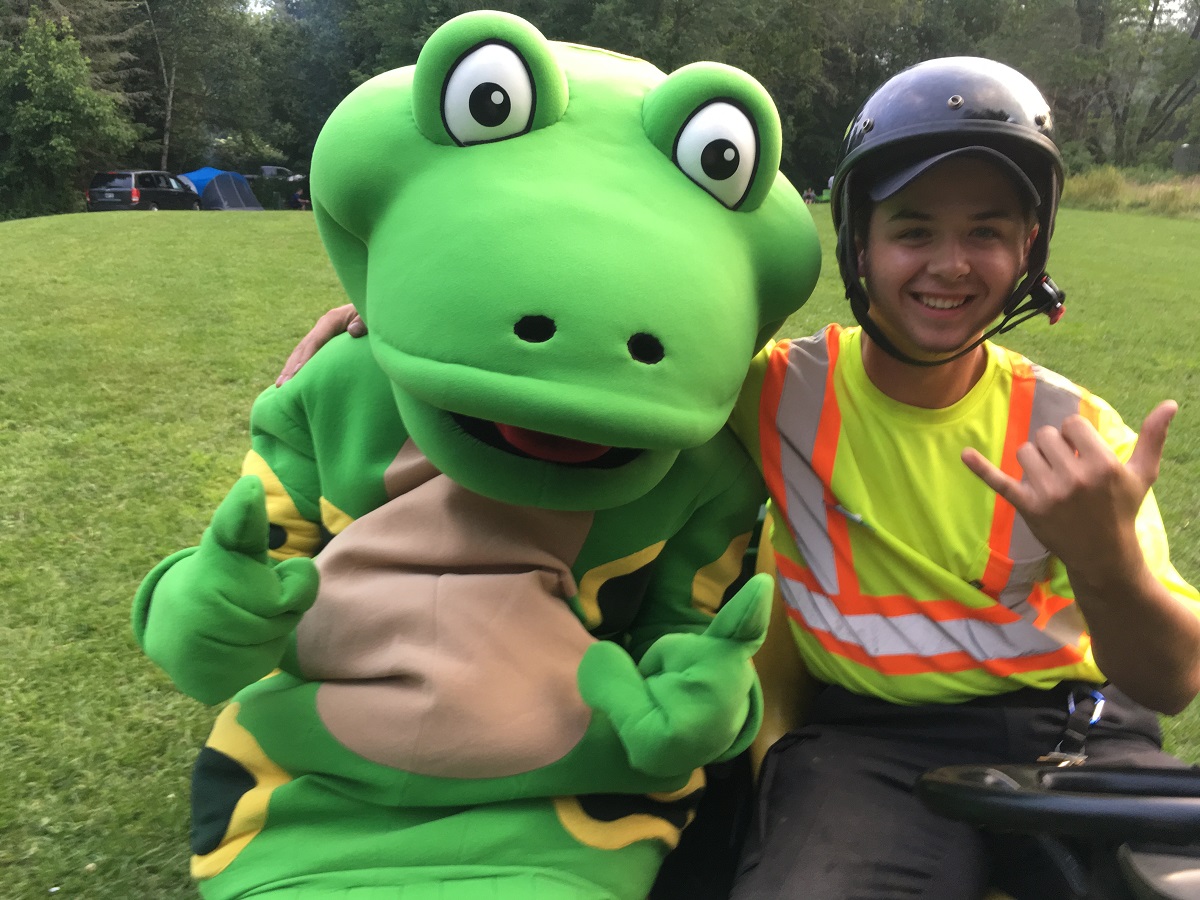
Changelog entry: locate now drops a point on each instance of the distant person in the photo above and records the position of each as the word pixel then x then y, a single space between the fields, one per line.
pixel 809 195
pixel 298 200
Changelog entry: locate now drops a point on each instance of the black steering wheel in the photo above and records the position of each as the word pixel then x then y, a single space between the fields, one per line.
pixel 1122 806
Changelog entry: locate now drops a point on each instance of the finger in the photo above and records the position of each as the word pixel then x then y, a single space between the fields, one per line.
pixel 1057 448
pixel 240 523
pixel 326 328
pixel 1083 439
pixel 610 682
pixel 1007 487
pixel 356 326
pixel 295 360
pixel 298 584
pixel 1148 452
pixel 1039 469
pixel 744 617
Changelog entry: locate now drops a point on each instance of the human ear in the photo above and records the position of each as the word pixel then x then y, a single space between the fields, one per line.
pixel 861 250
pixel 1029 239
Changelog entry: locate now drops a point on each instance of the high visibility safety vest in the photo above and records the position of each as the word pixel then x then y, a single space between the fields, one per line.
pixel 878 617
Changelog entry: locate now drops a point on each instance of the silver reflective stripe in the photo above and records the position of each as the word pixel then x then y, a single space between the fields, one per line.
pixel 797 420
pixel 1054 398
pixel 913 634
pixel 1066 626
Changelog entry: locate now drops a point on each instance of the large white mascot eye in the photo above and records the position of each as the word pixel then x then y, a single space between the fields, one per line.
pixel 488 96
pixel 718 149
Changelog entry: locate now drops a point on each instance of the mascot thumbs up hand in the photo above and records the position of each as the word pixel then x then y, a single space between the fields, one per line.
pixel 690 693
pixel 223 617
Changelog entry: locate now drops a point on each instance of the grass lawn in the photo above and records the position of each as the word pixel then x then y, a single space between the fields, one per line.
pixel 131 349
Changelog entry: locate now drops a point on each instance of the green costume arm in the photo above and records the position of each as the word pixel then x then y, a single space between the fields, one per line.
pixel 321 443
pixel 282 455
pixel 704 557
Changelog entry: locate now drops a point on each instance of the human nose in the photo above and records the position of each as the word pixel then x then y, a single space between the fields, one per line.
pixel 950 259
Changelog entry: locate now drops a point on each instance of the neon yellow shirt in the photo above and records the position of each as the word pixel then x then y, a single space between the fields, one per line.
pixel 908 619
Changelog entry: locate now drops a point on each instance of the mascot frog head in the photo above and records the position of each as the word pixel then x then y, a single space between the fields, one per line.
pixel 566 258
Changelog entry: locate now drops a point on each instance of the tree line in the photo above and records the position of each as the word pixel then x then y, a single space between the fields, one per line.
pixel 178 84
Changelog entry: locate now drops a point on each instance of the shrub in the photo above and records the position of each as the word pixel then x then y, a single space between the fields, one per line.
pixel 1077 158
pixel 1144 189
pixel 1099 188
pixel 1148 173
pixel 1167 200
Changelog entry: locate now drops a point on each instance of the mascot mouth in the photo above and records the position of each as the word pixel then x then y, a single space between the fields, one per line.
pixel 545 447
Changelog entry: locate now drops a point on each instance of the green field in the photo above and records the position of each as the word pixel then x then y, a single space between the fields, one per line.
pixel 131 349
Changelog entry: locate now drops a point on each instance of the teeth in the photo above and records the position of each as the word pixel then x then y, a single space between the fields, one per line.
pixel 941 302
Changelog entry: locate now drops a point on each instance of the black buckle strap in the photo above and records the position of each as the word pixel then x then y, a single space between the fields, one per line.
pixel 1084 709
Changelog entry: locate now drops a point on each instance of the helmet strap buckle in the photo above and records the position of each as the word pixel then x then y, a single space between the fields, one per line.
pixel 1050 298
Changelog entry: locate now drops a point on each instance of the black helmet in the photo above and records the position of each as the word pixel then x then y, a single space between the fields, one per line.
pixel 937 107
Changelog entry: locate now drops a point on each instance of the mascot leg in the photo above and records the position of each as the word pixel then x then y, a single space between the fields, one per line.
pixel 264 826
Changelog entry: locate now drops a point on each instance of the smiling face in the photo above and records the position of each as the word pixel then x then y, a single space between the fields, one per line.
pixel 942 256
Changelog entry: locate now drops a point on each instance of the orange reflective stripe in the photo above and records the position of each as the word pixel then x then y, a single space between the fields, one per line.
pixel 1047 606
pixel 1020 411
pixel 898 604
pixel 789 568
pixel 823 456
pixel 768 433
pixel 940 663
pixel 825 451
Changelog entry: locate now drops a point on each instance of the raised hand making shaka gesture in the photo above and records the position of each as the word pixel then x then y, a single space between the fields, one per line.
pixel 1082 503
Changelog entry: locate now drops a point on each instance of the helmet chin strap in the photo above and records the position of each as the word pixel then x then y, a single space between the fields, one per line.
pixel 1039 292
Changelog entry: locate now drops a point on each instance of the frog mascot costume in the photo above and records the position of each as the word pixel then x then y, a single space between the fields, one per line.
pixel 502 672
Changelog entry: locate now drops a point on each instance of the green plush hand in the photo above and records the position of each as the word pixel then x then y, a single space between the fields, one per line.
pixel 689 700
pixel 222 617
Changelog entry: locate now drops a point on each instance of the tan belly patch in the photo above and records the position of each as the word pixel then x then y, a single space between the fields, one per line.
pixel 442 633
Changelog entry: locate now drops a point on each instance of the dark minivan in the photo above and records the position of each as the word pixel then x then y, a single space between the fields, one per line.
pixel 139 190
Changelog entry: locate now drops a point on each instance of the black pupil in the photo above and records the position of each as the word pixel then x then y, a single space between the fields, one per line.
pixel 490 105
pixel 720 159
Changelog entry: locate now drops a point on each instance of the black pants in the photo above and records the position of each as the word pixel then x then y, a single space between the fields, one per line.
pixel 837 819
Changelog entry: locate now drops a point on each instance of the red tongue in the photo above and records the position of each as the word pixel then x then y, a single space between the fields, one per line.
pixel 550 447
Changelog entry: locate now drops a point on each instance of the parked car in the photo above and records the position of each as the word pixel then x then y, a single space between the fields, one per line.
pixel 139 189
pixel 276 172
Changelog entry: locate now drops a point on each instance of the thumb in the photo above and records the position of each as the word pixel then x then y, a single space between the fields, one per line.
pixel 1147 453
pixel 240 523
pixel 744 617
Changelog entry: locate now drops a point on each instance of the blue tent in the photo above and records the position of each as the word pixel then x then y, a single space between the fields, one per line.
pixel 222 190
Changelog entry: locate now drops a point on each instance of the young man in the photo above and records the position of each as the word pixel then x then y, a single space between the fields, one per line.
pixel 966 543
pixel 967 548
